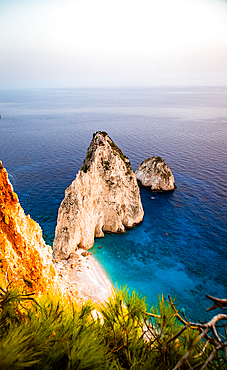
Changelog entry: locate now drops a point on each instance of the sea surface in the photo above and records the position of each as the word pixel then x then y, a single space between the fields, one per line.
pixel 180 248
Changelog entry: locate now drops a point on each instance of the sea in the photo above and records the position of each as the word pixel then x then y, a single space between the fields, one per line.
pixel 180 248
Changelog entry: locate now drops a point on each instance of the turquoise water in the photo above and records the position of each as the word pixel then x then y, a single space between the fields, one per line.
pixel 44 138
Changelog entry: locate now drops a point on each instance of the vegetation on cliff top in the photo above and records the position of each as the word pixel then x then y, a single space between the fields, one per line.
pixel 116 151
pixel 53 334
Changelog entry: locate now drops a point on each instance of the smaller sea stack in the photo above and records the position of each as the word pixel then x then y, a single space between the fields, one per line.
pixel 153 173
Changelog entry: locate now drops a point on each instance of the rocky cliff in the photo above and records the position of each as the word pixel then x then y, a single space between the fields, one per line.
pixel 104 197
pixel 23 252
pixel 26 260
pixel 154 173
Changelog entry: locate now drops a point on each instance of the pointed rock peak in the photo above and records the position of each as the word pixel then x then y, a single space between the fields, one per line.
pixel 154 173
pixel 104 197
pixel 101 143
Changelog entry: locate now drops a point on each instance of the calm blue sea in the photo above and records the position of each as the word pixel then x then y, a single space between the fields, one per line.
pixel 44 139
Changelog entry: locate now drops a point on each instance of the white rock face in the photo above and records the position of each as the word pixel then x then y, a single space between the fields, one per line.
pixel 154 173
pixel 104 197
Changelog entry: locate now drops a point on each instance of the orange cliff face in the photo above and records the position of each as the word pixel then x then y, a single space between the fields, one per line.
pixel 23 252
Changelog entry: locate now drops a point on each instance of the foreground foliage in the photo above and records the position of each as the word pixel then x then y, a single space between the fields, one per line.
pixel 121 334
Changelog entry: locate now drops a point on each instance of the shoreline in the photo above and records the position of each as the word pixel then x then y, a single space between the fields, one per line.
pixel 84 278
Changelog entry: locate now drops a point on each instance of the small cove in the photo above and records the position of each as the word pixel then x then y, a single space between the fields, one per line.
pixel 45 135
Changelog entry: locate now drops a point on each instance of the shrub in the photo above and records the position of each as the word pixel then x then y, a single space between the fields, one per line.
pixel 53 334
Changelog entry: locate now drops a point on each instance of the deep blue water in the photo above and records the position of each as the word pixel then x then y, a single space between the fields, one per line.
pixel 44 139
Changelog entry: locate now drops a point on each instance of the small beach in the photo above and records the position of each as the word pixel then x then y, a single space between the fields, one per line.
pixel 83 277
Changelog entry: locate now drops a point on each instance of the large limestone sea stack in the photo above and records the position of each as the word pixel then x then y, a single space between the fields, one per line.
pixel 153 173
pixel 104 197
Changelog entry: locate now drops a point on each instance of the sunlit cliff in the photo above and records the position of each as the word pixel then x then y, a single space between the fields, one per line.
pixel 23 252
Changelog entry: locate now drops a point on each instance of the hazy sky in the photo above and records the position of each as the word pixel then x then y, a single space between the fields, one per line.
pixel 76 43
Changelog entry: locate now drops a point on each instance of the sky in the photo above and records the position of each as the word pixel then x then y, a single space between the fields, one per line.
pixel 96 43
